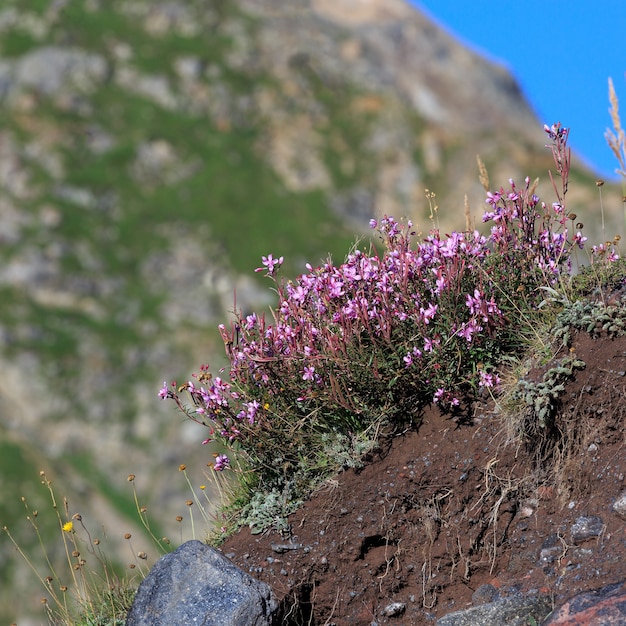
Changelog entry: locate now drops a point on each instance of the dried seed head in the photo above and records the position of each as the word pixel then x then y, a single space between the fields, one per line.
pixel 189 502
pixel 579 225
pixel 599 182
pixel 127 536
pixel 96 542
pixel 572 216
pixel 77 516
pixel 63 588
pixel 179 518
pixel 142 555
pixel 182 467
pixel 75 554
pixel 130 478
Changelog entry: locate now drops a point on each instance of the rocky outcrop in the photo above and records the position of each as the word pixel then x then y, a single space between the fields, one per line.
pixel 196 584
pixel 514 611
pixel 600 607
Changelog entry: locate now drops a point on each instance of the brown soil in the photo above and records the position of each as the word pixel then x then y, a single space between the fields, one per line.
pixel 438 512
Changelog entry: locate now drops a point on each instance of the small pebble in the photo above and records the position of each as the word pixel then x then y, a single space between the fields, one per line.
pixel 281 548
pixel 393 609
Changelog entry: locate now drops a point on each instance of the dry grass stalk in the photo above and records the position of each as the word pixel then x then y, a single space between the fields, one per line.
pixel 616 138
pixel 483 175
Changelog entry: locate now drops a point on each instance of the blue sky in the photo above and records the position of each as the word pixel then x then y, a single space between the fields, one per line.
pixel 562 52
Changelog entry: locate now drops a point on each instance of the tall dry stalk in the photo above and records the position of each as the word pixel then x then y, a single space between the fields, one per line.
pixel 616 139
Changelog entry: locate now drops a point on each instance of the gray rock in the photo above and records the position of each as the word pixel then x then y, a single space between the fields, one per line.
pixel 587 527
pixel 197 584
pixel 394 609
pixel 551 549
pixel 485 594
pixel 605 607
pixel 49 69
pixel 512 611
pixel 619 506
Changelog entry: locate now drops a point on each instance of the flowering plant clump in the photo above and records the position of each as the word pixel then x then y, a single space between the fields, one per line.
pixel 368 343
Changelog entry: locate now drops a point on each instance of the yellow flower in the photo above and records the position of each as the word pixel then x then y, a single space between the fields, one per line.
pixel 68 527
pixel 266 406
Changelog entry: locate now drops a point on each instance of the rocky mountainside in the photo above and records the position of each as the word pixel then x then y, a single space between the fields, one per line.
pixel 151 152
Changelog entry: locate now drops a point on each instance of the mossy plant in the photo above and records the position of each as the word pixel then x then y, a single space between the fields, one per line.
pixel 541 399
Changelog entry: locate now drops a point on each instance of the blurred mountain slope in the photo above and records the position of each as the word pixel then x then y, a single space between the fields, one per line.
pixel 151 152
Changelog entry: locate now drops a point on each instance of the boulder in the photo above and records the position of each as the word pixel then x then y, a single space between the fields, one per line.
pixel 197 584
pixel 600 607
pixel 516 610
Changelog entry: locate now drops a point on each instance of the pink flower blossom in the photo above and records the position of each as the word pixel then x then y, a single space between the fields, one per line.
pixel 488 380
pixel 270 263
pixel 429 312
pixel 579 240
pixel 221 463
pixel 164 392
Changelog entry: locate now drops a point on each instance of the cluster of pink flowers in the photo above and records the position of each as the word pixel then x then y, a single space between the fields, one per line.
pixel 395 304
pixel 384 300
pixel 380 329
